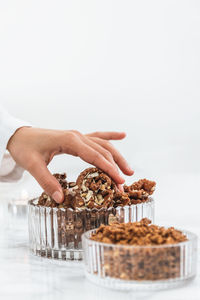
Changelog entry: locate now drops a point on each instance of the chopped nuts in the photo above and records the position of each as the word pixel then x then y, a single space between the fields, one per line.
pixel 92 175
pixel 72 184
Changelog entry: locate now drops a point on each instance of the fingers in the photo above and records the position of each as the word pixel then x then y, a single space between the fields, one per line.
pixel 96 153
pixel 118 158
pixel 101 150
pixel 108 135
pixel 46 180
pixel 94 157
pixel 120 188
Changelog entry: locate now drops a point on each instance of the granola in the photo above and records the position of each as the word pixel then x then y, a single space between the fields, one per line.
pixel 96 189
pixel 140 263
pixel 138 233
pixel 140 191
pixel 68 190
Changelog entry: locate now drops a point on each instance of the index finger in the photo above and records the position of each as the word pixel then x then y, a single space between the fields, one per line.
pixel 95 158
pixel 108 135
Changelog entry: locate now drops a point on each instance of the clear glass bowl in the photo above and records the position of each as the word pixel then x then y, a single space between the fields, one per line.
pixel 140 267
pixel 56 232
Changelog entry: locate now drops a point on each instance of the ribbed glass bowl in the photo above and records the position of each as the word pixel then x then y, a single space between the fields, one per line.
pixel 56 232
pixel 140 267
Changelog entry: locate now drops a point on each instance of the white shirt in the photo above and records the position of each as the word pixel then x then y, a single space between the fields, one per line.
pixel 9 170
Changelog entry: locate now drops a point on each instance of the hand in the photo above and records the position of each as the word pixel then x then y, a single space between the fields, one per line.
pixel 34 148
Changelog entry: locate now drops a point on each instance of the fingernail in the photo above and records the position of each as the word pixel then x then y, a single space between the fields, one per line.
pixel 130 169
pixel 120 187
pixel 123 132
pixel 122 179
pixel 57 196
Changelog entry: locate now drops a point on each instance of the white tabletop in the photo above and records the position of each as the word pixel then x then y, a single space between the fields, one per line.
pixel 24 276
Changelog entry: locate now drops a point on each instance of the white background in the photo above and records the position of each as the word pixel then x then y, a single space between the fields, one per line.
pixel 131 66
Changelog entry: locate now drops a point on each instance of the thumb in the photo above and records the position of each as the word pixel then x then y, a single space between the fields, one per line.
pixel 47 181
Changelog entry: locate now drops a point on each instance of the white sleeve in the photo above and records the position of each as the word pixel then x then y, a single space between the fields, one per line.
pixel 9 170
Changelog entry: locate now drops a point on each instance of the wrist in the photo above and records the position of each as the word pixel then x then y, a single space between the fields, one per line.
pixel 11 140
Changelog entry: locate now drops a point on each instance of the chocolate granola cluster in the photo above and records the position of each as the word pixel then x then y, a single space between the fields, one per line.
pixel 68 190
pixel 155 261
pixel 95 189
pixel 140 191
